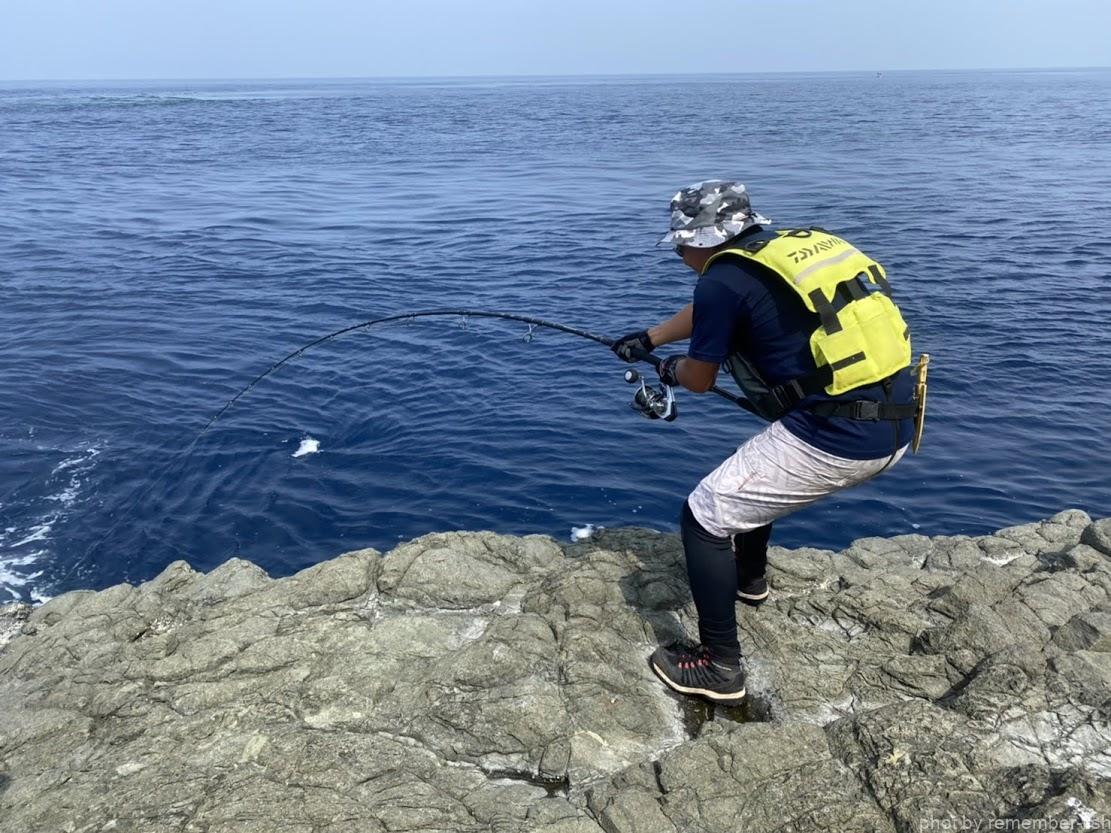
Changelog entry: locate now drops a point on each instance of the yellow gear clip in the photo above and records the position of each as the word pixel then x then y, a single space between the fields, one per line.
pixel 920 373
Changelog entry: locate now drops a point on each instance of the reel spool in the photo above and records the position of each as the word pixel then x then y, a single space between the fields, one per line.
pixel 651 402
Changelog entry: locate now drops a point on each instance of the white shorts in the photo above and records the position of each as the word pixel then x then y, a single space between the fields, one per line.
pixel 772 475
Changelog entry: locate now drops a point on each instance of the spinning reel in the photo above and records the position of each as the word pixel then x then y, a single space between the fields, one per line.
pixel 651 402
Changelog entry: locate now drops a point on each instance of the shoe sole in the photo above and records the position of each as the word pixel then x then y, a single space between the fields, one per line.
pixel 712 696
pixel 752 600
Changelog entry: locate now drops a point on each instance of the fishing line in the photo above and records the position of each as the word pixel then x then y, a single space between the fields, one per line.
pixel 531 320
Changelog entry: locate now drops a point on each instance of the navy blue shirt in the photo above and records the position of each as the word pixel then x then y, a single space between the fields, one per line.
pixel 739 306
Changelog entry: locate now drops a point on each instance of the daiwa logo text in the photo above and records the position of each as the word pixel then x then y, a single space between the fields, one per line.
pixel 799 255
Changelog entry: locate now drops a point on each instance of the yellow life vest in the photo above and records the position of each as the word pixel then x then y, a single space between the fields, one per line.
pixel 862 338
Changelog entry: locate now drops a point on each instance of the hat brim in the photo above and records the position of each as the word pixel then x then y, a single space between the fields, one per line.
pixel 709 236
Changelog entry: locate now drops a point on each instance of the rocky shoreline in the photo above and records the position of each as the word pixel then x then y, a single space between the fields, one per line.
pixel 472 681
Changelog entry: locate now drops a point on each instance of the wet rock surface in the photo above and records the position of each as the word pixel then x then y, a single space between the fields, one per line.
pixel 471 681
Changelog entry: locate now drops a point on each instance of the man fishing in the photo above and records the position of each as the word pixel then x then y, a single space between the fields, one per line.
pixel 805 324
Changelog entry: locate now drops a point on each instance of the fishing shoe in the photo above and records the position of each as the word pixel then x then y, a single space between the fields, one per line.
pixel 754 592
pixel 689 669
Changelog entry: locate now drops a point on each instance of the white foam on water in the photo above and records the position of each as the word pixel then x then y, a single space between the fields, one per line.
pixel 35 533
pixel 73 462
pixel 582 533
pixel 23 560
pixel 23 548
pixel 14 574
pixel 67 496
pixel 39 598
pixel 7 576
pixel 308 446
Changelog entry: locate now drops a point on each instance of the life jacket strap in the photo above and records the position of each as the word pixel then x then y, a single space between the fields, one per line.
pixel 880 279
pixel 864 409
pixel 788 395
pixel 847 291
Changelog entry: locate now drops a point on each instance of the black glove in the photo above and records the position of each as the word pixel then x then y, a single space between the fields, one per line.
pixel 667 370
pixel 625 345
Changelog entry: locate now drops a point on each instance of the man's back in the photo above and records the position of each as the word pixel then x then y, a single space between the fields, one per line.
pixel 741 307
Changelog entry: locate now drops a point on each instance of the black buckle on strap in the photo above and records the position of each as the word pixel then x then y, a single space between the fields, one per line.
pixel 865 409
pixel 789 395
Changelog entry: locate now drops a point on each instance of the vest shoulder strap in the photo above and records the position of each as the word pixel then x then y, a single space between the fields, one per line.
pixel 812 262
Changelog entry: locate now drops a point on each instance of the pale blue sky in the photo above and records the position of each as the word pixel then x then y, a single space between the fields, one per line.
pixel 103 39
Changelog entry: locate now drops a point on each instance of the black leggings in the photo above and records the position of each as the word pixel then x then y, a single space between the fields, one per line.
pixel 751 550
pixel 714 569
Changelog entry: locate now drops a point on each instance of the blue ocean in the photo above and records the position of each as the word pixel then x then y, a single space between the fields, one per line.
pixel 161 244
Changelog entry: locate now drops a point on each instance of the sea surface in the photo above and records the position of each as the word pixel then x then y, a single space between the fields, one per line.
pixel 161 244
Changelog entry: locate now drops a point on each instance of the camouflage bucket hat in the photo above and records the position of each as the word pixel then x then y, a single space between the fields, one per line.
pixel 708 213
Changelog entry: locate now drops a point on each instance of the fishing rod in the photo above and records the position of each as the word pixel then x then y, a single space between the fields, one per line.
pixel 655 403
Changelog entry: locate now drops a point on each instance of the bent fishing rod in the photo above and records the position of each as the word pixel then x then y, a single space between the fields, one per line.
pixel 652 402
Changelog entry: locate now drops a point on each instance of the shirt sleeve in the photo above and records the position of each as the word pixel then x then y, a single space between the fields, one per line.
pixel 715 312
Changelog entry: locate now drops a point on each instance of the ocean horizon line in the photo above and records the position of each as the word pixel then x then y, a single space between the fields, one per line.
pixel 541 76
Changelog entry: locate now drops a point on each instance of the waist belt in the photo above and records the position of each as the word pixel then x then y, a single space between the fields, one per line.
pixel 864 409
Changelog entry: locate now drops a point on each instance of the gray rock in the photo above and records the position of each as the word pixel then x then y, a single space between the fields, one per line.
pixel 750 777
pixel 902 550
pixel 1097 535
pixel 1089 631
pixel 472 681
pixel 953 553
pixel 918 761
